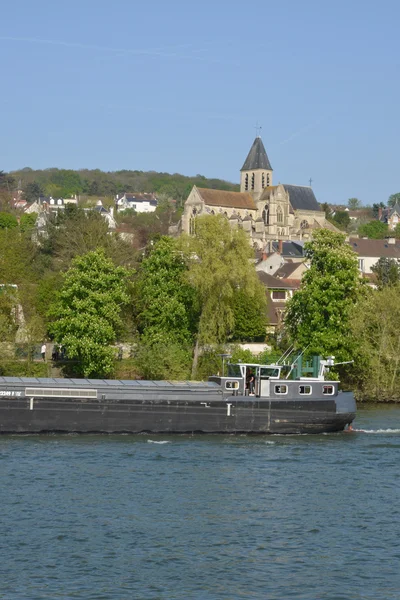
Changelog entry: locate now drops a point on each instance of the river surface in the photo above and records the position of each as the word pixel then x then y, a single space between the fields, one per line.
pixel 203 517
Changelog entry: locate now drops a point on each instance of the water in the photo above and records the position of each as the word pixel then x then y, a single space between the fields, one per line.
pixel 203 517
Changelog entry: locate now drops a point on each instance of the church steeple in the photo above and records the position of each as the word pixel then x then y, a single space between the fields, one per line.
pixel 256 173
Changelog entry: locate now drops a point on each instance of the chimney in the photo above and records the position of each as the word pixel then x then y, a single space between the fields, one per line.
pixel 280 246
pixel 264 253
pixel 380 213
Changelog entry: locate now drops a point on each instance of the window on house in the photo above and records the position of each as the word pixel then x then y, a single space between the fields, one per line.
pixel 361 264
pixel 328 390
pixel 305 389
pixel 246 182
pixel 253 178
pixel 281 389
pixel 278 295
pixel 279 215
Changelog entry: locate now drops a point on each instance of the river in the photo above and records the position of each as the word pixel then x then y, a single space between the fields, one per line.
pixel 203 517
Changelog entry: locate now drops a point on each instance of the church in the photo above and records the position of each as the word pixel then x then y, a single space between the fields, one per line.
pixel 264 210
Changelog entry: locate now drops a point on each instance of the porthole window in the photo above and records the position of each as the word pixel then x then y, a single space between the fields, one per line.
pixel 231 385
pixel 305 389
pixel 328 390
pixel 281 389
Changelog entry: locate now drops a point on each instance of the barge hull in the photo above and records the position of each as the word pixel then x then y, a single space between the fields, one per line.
pixel 207 413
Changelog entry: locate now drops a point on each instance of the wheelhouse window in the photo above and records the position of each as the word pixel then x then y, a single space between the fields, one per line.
pixel 305 389
pixel 281 389
pixel 231 385
pixel 234 370
pixel 328 390
pixel 268 372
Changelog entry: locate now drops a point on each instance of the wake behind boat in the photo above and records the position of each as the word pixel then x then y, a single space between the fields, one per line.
pixel 252 398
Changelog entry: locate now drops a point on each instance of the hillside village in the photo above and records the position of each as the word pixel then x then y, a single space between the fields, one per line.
pixel 278 221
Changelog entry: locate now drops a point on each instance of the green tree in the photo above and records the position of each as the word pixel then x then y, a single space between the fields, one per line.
pixel 396 231
pixel 219 267
pixel 86 316
pixel 376 208
pixel 33 191
pixel 393 199
pixel 166 312
pixel 16 257
pixel 341 219
pixel 318 314
pixel 375 326
pixel 375 230
pixel 327 210
pixel 27 221
pixel 165 300
pixel 76 232
pixel 8 221
pixel 353 203
pixel 387 271
pixel 250 316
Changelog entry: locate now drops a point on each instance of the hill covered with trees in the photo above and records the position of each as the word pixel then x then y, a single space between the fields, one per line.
pixel 64 183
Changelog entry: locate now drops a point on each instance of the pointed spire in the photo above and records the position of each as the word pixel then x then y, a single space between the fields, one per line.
pixel 257 157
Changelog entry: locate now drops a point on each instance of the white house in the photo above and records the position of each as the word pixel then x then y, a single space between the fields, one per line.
pixel 140 203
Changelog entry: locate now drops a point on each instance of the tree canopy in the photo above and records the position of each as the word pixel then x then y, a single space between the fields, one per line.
pixel 353 203
pixel 318 314
pixel 86 316
pixel 219 263
pixel 66 182
pixel 387 271
pixel 375 324
pixel 374 230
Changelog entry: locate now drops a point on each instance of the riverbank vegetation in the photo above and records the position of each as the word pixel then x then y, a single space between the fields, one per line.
pixel 178 303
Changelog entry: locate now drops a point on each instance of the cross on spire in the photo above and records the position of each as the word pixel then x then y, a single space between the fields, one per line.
pixel 310 180
pixel 258 129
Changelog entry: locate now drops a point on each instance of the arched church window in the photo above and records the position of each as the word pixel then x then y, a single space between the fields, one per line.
pixel 246 182
pixel 212 212
pixel 304 224
pixel 263 180
pixel 253 178
pixel 265 215
pixel 279 215
pixel 267 179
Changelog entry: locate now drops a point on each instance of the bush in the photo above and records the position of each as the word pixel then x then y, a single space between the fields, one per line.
pixel 19 368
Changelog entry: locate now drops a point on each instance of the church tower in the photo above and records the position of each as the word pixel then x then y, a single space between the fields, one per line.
pixel 256 173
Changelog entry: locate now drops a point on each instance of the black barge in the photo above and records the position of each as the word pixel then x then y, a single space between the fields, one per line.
pixel 250 399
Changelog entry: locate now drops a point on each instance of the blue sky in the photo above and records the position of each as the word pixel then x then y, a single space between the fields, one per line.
pixel 179 86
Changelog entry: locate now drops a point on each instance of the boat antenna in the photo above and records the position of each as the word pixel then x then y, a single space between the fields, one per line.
pixel 295 361
pixel 287 353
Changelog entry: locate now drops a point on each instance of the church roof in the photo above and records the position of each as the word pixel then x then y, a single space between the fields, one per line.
pixel 227 199
pixel 257 157
pixel 302 197
pixel 394 209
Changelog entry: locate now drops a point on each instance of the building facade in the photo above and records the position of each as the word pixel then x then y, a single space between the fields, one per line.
pixel 264 210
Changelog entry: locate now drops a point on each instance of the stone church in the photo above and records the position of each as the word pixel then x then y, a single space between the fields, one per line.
pixel 265 211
